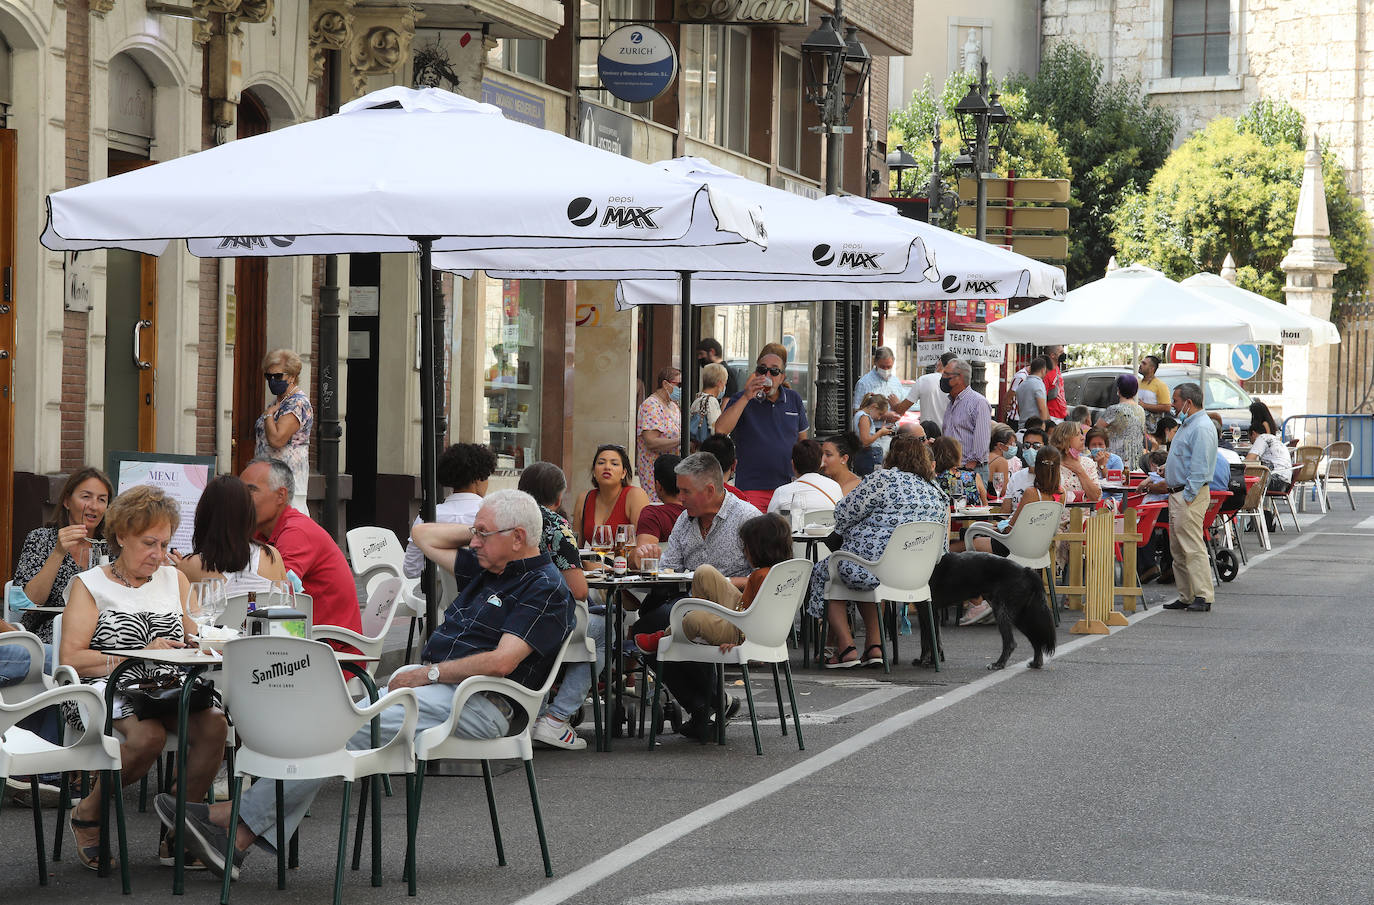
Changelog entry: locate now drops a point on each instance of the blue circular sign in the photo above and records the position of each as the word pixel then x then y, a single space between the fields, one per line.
pixel 637 63
pixel 1245 360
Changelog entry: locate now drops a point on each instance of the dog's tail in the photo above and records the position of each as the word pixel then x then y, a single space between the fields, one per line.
pixel 1036 621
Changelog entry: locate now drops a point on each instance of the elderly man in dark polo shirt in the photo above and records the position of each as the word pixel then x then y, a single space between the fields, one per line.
pixel 765 420
pixel 706 532
pixel 510 619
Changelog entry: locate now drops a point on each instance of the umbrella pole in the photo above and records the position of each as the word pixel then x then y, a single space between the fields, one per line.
pixel 688 356
pixel 429 438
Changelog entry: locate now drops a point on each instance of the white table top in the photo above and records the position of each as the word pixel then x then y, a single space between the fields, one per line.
pixel 190 656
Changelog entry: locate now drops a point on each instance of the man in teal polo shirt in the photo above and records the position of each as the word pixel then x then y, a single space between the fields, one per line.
pixel 765 420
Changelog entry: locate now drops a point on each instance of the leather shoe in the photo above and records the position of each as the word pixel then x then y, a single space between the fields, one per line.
pixel 1199 606
pixel 1177 605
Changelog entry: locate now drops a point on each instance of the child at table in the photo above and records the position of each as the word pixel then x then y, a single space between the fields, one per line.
pixel 767 541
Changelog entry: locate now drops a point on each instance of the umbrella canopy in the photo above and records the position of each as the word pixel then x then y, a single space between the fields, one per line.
pixel 394 165
pixel 1295 328
pixel 806 241
pixel 401 170
pixel 1132 304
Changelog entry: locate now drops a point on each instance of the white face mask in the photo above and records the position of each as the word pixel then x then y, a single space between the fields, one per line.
pixel 884 373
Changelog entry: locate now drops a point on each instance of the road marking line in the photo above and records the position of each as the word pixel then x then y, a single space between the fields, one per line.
pixel 849 708
pixel 607 865
pixel 979 886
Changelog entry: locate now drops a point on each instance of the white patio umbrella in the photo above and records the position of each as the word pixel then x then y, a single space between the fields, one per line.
pixel 1132 304
pixel 403 171
pixel 1295 328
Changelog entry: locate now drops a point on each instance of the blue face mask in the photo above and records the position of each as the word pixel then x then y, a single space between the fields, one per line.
pixel 277 387
pixel 1011 451
pixel 676 394
pixel 1029 455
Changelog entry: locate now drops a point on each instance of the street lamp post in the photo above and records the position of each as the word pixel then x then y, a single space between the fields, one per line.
pixel 978 115
pixel 827 51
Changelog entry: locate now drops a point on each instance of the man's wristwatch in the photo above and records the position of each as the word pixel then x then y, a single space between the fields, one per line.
pixel 433 672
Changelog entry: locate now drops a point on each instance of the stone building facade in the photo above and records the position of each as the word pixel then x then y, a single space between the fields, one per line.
pixel 1316 55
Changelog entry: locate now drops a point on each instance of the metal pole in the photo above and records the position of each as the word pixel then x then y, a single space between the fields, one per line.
pixel 429 480
pixel 330 429
pixel 982 163
pixel 827 383
pixel 688 347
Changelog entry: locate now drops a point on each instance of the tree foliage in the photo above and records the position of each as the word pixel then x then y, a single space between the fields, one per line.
pixel 1233 187
pixel 1114 138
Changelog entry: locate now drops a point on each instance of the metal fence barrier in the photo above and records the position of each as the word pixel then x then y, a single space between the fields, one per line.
pixel 1323 430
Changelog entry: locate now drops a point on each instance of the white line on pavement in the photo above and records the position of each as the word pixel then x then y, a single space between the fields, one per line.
pixel 583 878
pixel 863 702
pixel 846 890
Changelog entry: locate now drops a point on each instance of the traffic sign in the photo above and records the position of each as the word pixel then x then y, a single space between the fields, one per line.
pixel 1183 353
pixel 1245 360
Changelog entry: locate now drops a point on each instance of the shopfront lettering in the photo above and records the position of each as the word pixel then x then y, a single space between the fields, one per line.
pixel 744 12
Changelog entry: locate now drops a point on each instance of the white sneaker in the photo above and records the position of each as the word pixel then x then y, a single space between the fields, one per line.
pixel 976 612
pixel 557 734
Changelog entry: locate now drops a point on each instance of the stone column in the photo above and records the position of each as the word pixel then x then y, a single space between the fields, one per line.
pixel 1310 266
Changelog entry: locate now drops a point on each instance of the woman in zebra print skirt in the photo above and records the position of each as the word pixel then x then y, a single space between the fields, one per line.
pixel 137 601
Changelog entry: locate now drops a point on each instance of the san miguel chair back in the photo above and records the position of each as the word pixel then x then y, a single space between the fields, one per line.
pixel 1030 542
pixel 765 625
pixel 294 717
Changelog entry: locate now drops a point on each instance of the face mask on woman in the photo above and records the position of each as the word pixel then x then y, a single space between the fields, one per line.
pixel 676 394
pixel 1011 452
pixel 276 385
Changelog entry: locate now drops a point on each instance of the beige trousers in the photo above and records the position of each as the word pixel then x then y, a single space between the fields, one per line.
pixel 1192 567
pixel 705 628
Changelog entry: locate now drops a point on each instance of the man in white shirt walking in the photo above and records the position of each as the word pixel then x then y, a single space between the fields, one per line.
pixel 926 391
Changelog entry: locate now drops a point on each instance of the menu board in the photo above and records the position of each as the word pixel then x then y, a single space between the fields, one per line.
pixel 183 478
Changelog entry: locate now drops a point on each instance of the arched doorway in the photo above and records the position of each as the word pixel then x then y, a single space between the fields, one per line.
pixel 130 421
pixel 249 317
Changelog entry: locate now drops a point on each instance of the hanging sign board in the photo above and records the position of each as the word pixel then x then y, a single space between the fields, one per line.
pixel 741 12
pixel 637 63
pixel 959 326
pixel 183 478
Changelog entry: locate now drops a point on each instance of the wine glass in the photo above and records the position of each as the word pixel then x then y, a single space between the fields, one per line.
pixel 602 538
pixel 281 594
pixel 212 597
pixel 997 482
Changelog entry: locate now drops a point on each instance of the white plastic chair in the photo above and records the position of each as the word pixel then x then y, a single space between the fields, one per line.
pixel 439 743
pixel 582 649
pixel 22 752
pixel 1335 466
pixel 372 548
pixel 765 625
pixel 305 690
pixel 1030 541
pixel 903 573
pixel 377 617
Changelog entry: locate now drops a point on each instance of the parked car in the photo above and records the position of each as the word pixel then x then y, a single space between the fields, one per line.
pixel 1096 388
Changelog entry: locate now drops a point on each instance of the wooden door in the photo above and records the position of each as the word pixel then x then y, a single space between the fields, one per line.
pixel 249 334
pixel 8 207
pixel 132 368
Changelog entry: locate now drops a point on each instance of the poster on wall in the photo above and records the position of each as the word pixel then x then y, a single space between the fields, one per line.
pixel 959 326
pixel 183 478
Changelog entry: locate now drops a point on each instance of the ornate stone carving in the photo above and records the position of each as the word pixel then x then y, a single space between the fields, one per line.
pixel 379 42
pixel 331 23
pixel 101 7
pixel 255 12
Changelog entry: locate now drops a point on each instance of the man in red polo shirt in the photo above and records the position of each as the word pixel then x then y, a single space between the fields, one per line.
pixel 305 547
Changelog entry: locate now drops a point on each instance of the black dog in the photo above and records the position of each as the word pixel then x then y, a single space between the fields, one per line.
pixel 1014 593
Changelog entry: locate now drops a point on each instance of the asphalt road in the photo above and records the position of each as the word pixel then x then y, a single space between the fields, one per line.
pixel 1186 759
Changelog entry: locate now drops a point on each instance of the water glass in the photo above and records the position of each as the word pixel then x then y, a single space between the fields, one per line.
pixel 650 564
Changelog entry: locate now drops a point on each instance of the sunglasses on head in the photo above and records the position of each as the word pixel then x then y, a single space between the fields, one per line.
pixel 765 369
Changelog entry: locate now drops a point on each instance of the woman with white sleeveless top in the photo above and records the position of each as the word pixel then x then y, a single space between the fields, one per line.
pixel 137 601
pixel 223 539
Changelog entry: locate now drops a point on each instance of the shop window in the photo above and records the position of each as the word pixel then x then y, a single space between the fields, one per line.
pixel 790 112
pixel 1200 38
pixel 715 62
pixel 598 19
pixel 512 362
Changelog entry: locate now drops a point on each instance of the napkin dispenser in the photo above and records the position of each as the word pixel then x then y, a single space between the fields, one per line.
pixel 278 620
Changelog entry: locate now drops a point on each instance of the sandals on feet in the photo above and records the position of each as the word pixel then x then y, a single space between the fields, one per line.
pixel 88 855
pixel 838 661
pixel 873 661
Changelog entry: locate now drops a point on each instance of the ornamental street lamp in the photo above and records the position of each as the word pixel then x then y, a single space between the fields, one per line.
pixel 837 69
pixel 899 161
pixel 983 128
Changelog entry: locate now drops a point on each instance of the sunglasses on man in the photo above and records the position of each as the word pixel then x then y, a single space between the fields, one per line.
pixel 765 369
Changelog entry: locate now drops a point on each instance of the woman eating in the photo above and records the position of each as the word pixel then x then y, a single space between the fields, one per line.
pixel 224 544
pixel 71 543
pixel 613 499
pixel 283 430
pixel 137 601
pixel 904 490
pixel 837 458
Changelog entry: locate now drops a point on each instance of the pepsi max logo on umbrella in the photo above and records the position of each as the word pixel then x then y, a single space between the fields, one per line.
pixel 971 286
pixel 824 256
pixel 582 212
pixel 250 242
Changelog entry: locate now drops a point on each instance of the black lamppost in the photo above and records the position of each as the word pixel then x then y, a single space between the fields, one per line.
pixel 899 161
pixel 981 121
pixel 827 51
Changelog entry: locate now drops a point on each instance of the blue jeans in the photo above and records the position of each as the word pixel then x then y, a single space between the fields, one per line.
pixel 480 719
pixel 577 677
pixel 14 666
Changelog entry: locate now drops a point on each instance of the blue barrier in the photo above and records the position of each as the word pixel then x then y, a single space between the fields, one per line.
pixel 1323 430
